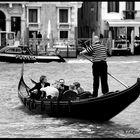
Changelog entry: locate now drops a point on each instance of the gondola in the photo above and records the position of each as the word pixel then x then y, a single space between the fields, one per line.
pixel 22 54
pixel 100 109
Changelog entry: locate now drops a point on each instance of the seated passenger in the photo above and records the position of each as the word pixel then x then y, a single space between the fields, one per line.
pixel 78 88
pixel 37 94
pixel 69 94
pixel 59 87
pixel 50 91
pixel 63 86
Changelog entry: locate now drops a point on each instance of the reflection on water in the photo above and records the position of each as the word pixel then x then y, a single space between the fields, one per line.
pixel 17 121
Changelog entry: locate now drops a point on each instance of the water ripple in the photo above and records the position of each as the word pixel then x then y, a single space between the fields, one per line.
pixel 18 122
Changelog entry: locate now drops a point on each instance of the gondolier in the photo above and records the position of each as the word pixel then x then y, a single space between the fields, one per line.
pixel 98 51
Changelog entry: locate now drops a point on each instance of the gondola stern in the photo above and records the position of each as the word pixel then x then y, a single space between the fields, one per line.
pixel 21 76
pixel 138 81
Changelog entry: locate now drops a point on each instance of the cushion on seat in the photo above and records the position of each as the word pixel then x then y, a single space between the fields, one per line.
pixel 69 95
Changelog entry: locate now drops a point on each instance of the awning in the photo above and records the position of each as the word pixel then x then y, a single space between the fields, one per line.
pixel 123 23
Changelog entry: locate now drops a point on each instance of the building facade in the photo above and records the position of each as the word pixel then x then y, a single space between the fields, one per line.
pixel 120 22
pixel 89 16
pixel 55 19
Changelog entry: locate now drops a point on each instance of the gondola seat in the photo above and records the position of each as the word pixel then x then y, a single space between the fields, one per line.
pixel 85 95
pixel 69 95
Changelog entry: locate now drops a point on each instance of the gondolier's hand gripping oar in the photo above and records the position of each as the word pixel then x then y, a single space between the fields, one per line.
pixel 109 74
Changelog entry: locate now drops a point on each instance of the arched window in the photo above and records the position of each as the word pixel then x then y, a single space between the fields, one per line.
pixel 2 21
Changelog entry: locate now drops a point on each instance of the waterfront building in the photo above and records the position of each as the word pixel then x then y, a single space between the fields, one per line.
pixel 89 20
pixel 120 22
pixel 56 21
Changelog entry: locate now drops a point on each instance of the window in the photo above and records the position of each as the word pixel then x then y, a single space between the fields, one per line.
pixel 63 15
pixel 113 7
pixel 97 12
pixel 10 36
pixel 15 24
pixel 130 13
pixel 18 50
pixel 33 15
pixel 106 33
pixel 63 34
pixel 32 34
pixel 11 50
pixel 130 6
pixel 114 32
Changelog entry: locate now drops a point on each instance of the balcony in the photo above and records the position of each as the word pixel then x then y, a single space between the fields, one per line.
pixel 129 14
pixel 64 25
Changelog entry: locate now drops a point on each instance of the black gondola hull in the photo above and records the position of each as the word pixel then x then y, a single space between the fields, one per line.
pixel 13 58
pixel 102 108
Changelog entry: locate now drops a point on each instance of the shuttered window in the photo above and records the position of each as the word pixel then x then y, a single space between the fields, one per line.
pixel 63 15
pixel 113 6
pixel 33 15
pixel 130 6
pixel 63 34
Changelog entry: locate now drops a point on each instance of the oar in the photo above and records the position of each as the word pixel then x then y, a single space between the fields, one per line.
pixel 109 74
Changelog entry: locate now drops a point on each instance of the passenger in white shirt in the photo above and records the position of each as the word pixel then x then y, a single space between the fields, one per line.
pixel 51 91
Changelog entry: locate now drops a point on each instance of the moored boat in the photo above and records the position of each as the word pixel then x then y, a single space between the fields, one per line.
pixel 101 108
pixel 23 54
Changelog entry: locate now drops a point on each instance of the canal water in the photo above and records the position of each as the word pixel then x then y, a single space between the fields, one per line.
pixel 18 122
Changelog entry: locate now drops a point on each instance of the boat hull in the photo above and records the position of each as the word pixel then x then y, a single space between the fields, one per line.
pixel 101 108
pixel 18 58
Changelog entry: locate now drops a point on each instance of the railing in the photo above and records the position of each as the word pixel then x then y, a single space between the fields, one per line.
pixel 38 45
pixel 68 45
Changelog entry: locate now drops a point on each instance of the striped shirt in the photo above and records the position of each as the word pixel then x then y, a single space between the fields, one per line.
pixel 98 52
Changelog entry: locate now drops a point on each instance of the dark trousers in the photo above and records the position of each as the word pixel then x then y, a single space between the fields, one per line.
pixel 99 70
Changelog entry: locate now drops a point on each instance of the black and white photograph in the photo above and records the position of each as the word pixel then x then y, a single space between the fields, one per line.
pixel 70 69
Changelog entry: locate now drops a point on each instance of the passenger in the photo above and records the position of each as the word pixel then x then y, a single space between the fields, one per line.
pixel 79 89
pixel 35 91
pixel 63 86
pixel 72 88
pixel 69 94
pixel 51 91
pixel 56 84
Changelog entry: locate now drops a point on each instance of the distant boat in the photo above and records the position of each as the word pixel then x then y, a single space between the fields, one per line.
pixel 24 54
pixel 101 108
